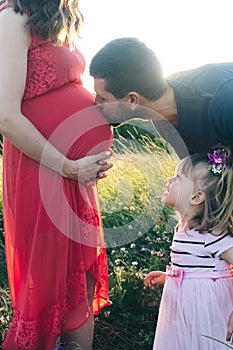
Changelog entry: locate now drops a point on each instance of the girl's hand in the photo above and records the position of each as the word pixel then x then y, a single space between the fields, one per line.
pixel 229 336
pixel 155 277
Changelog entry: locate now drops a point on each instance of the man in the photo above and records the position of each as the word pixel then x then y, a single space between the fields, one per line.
pixel 197 103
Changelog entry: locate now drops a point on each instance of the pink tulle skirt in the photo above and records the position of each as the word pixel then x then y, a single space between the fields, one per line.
pixel 196 308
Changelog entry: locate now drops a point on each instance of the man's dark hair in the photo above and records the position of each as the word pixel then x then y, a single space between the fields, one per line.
pixel 127 64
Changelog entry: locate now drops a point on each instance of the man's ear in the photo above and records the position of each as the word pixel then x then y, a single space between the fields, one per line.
pixel 197 198
pixel 133 97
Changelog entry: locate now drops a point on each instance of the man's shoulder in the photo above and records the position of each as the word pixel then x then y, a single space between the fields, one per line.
pixel 208 77
pixel 206 68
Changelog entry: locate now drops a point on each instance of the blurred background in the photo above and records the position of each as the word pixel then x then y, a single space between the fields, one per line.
pixel 183 33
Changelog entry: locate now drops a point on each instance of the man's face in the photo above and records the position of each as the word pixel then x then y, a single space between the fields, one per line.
pixel 102 96
pixel 116 111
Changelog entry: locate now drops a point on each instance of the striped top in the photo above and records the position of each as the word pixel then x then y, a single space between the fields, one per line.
pixel 199 252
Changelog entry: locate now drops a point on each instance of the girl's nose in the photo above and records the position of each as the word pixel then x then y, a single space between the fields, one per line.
pixel 170 179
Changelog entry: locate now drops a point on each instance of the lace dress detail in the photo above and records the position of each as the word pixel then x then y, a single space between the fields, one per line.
pixel 41 62
pixel 27 333
pixel 89 222
pixel 44 61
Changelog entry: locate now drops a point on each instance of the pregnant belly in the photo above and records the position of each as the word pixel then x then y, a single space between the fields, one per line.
pixel 68 118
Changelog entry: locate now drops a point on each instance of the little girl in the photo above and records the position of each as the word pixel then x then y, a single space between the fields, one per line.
pixel 198 292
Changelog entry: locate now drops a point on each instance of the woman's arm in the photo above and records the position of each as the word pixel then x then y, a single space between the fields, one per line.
pixel 15 40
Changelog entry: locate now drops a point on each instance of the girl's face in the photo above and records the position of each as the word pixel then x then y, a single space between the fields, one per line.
pixel 178 192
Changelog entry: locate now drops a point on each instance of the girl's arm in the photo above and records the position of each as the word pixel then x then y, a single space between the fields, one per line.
pixel 228 256
pixel 229 336
pixel 14 44
pixel 155 277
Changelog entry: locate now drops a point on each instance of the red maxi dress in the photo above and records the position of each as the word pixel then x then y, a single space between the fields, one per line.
pixel 53 228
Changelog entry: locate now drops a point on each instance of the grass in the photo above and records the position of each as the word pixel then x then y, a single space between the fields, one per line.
pixel 131 194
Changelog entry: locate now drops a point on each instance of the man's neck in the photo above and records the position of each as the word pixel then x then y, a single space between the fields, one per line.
pixel 165 105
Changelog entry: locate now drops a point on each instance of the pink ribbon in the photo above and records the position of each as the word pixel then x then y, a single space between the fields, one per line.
pixel 177 274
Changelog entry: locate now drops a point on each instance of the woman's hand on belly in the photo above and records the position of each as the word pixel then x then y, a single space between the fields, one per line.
pixel 89 168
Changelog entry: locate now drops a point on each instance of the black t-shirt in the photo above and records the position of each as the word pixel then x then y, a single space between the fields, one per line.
pixel 204 99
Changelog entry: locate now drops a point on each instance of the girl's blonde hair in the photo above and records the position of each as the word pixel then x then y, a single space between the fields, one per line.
pixel 56 20
pixel 215 213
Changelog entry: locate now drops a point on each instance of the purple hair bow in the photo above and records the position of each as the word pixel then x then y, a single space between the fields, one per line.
pixel 217 161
